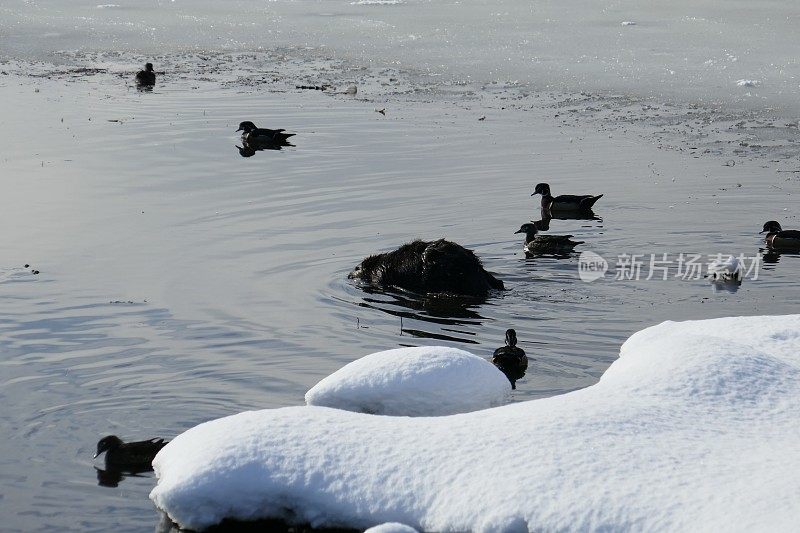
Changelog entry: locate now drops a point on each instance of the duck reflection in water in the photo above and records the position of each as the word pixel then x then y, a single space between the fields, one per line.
pixel 249 149
pixel 112 477
pixel 548 215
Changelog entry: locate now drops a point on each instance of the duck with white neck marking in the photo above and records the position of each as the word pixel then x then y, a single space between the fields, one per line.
pixel 255 136
pixel 565 202
pixel 539 244
pixel 780 239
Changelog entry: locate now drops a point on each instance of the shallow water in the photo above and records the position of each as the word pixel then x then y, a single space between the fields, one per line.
pixel 180 282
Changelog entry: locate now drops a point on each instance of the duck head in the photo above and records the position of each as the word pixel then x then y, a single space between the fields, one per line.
pixel 771 227
pixel 148 67
pixel 112 442
pixel 529 229
pixel 246 126
pixel 511 338
pixel 541 188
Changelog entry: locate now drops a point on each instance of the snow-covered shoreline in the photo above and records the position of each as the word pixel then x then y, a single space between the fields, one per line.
pixel 694 427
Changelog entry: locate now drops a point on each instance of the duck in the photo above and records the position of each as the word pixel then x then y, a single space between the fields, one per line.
pixel 146 77
pixel 129 455
pixel 565 202
pixel 510 359
pixel 781 239
pixel 254 136
pixel 428 267
pixel 725 270
pixel 545 243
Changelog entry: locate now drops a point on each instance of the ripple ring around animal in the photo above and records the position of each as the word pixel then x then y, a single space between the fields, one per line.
pixel 428 267
pixel 565 202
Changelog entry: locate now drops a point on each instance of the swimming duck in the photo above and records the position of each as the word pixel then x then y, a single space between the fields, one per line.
pixel 511 360
pixel 254 136
pixel 440 267
pixel 146 77
pixel 781 239
pixel 565 202
pixel 129 455
pixel 545 243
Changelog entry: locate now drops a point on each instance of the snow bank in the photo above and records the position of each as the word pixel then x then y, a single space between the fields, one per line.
pixel 391 527
pixel 694 427
pixel 423 381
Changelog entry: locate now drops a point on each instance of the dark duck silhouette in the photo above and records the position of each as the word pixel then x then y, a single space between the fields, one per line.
pixel 779 239
pixel 425 267
pixel 544 244
pixel 129 456
pixel 511 360
pixel 146 77
pixel 255 137
pixel 565 202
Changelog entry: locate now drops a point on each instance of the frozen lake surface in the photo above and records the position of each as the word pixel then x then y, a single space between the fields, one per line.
pixel 180 282
pixel 685 50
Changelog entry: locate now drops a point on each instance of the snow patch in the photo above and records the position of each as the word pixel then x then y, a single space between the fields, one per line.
pixel 748 83
pixel 694 427
pixel 391 527
pixel 422 381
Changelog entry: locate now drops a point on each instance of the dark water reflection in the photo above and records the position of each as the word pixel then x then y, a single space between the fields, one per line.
pixel 249 149
pixel 112 477
pixel 177 286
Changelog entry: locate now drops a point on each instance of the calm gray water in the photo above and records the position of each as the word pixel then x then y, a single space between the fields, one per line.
pixel 180 282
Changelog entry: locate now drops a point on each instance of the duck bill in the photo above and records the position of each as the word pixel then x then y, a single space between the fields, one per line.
pixel 95 456
pixel 518 231
pixel 240 129
pixel 534 193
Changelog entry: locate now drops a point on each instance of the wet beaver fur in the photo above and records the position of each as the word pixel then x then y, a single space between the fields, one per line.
pixel 441 267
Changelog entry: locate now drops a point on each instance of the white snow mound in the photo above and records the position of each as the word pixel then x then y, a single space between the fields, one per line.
pixel 422 381
pixel 391 527
pixel 694 428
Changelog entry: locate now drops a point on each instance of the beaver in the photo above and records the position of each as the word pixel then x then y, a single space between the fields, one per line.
pixel 441 267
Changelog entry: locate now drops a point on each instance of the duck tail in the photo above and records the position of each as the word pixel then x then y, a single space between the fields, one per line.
pixel 589 202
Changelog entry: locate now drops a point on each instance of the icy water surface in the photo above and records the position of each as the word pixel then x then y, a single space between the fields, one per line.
pixel 179 281
pixel 736 52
